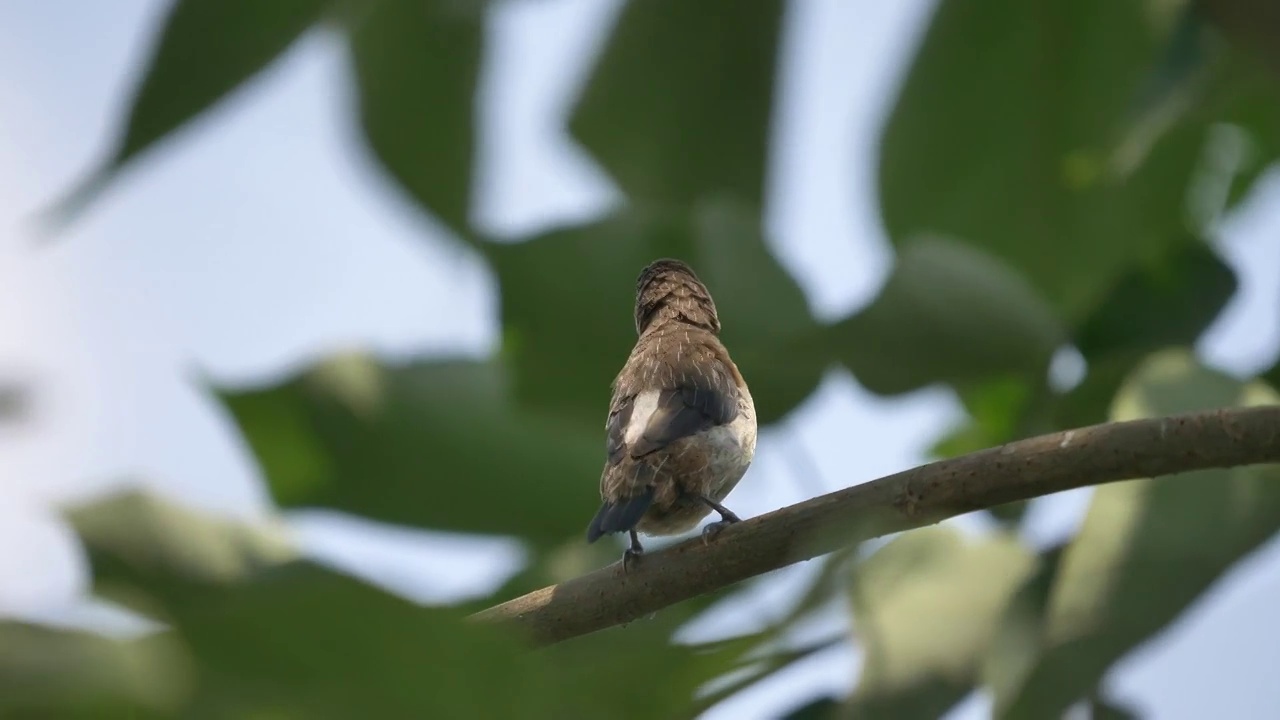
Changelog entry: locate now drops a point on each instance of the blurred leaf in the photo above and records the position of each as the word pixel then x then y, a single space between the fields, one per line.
pixel 1020 163
pixel 1272 376
pixel 434 444
pixel 1158 304
pixel 1251 104
pixel 50 672
pixel 1202 80
pixel 1147 549
pixel 821 709
pixel 635 671
pixel 1166 302
pixel 417 65
pixel 204 50
pixel 1252 25
pixel 759 669
pixel 567 301
pixel 1090 402
pixel 1101 709
pixel 1187 52
pixel 1016 643
pixel 1174 83
pixel 949 313
pixel 15 402
pixel 135 529
pixel 927 607
pixel 290 638
pixel 995 408
pixel 679 104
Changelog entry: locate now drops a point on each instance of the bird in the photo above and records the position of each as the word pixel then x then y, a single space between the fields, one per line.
pixel 681 428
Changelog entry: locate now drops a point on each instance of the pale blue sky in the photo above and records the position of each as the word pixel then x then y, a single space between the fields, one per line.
pixel 264 235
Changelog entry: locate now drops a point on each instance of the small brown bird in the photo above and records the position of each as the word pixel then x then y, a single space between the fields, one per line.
pixel 682 427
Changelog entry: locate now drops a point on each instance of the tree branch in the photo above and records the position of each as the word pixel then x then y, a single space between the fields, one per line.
pixel 910 499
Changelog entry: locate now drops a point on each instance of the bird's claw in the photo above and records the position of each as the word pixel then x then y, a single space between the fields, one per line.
pixel 630 557
pixel 710 532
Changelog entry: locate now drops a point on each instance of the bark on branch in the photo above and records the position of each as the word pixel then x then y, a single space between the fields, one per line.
pixel 910 499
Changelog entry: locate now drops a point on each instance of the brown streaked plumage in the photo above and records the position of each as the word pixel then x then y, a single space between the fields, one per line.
pixel 681 430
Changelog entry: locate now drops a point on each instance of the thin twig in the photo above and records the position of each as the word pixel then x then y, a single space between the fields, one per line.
pixel 909 499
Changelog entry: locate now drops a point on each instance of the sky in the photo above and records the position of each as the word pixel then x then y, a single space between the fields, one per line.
pixel 264 236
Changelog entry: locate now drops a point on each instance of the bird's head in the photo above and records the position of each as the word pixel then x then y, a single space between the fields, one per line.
pixel 669 291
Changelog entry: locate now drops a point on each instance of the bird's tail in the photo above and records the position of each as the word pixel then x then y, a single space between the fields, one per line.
pixel 619 516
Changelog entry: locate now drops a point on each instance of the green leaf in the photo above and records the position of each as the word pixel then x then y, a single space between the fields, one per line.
pixel 926 607
pixel 1102 709
pixel 567 300
pixel 1004 135
pixel 679 104
pixel 1272 376
pixel 823 708
pixel 1251 104
pixel 50 672
pixel 204 50
pixel 292 639
pixel 1148 549
pixel 417 65
pixel 1202 80
pixel 1158 304
pixel 1016 643
pixel 1251 26
pixel 1167 302
pixel 133 529
pixel 758 669
pixel 995 409
pixel 434 444
pixel 949 313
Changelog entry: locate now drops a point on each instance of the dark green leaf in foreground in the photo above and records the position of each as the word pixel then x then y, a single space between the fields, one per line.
pixel 926 608
pixel 417 64
pixel 567 300
pixel 205 49
pixel 949 313
pixel 432 444
pixel 678 107
pixel 291 639
pixel 1004 135
pixel 1165 302
pixel 1159 304
pixel 1148 549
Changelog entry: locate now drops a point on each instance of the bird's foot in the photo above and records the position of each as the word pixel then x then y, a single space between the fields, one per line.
pixel 634 553
pixel 727 518
pixel 710 532
pixel 630 557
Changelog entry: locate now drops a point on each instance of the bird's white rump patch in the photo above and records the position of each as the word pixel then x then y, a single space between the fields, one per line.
pixel 642 408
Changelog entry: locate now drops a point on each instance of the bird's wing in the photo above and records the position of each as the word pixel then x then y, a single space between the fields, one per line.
pixel 696 397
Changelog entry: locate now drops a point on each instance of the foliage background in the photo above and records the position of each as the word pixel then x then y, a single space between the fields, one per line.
pixel 1059 173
